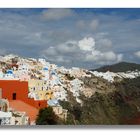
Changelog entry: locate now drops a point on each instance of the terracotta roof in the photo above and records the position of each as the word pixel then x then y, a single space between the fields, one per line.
pixel 19 105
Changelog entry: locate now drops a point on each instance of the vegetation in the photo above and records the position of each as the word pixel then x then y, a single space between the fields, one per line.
pixel 74 112
pixel 46 116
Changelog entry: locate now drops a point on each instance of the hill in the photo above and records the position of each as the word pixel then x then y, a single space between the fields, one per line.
pixel 119 67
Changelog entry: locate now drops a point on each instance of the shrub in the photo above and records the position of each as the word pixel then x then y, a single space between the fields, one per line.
pixel 46 116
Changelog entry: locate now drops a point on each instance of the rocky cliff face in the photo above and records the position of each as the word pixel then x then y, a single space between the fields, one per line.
pixel 106 103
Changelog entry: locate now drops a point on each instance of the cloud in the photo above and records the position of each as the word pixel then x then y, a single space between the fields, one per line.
pixel 68 47
pixel 119 57
pixel 82 50
pixel 89 25
pixel 104 44
pixel 86 44
pixel 49 51
pixel 94 24
pixel 98 57
pixel 137 54
pixel 57 14
pixel 79 38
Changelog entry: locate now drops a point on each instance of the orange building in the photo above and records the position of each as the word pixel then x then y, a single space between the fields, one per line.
pixel 17 92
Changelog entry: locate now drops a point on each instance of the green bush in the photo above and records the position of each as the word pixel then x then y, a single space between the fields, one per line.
pixel 46 116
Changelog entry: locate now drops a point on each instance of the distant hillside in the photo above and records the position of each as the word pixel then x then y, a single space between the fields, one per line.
pixel 119 67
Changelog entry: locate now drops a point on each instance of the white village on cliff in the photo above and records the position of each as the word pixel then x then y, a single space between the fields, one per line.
pixel 28 84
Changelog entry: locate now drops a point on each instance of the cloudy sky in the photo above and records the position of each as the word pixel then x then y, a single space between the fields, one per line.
pixel 85 38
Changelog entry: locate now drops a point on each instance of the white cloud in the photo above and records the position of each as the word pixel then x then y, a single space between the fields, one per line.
pixel 109 56
pixel 86 44
pixel 81 51
pixel 137 54
pixel 49 51
pixel 67 47
pixel 119 57
pixel 56 14
pixel 98 57
pixel 56 58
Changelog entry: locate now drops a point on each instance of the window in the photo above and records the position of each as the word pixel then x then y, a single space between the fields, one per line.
pixel 14 96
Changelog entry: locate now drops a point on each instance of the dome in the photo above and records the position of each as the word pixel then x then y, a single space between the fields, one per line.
pixel 9 72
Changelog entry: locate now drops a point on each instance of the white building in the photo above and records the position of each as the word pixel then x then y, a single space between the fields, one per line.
pixel 5 118
pixel 23 67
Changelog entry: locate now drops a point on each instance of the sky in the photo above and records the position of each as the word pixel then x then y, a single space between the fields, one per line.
pixel 86 38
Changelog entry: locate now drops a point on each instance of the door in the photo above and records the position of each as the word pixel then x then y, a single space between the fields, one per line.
pixel 14 96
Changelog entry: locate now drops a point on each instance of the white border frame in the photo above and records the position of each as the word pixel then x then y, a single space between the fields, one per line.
pixel 69 3
pixel 69 134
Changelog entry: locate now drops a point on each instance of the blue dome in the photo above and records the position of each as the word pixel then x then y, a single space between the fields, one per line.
pixel 9 72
